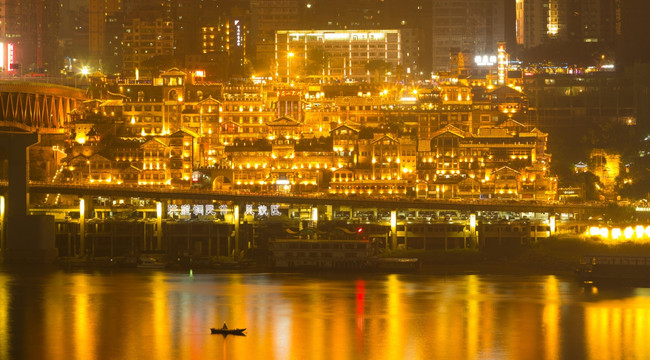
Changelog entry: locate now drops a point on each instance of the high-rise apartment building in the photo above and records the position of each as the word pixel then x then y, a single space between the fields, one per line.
pixel 227 35
pixel 32 27
pixel 268 16
pixel 591 21
pixel 145 38
pixel 105 34
pixel 470 26
pixel 541 20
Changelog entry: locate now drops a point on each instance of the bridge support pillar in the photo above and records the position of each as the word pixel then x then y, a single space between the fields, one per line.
pixel 2 222
pixel 329 214
pixel 472 230
pixel 393 229
pixel 314 218
pixel 29 238
pixel 82 227
pixel 551 223
pixel 235 219
pixel 159 232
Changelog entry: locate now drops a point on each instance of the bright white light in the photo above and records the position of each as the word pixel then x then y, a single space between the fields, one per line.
pixel 604 232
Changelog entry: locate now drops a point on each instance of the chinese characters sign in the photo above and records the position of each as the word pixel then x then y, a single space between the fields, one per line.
pixel 223 210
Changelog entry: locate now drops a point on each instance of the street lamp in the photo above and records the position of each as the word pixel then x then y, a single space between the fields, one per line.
pixel 289 56
pixel 83 72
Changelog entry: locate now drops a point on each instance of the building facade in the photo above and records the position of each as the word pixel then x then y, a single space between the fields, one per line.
pixel 343 55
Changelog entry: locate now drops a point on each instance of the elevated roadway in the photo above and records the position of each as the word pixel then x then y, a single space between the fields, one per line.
pixel 249 198
pixel 37 107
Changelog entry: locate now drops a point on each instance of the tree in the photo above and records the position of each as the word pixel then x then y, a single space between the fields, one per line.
pixel 379 68
pixel 317 61
pixel 159 63
pixel 571 52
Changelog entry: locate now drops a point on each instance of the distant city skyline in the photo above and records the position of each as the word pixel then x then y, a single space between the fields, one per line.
pixel 239 36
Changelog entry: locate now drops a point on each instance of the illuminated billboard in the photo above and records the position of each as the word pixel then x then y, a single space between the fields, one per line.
pixel 6 56
pixel 502 63
pixel 485 60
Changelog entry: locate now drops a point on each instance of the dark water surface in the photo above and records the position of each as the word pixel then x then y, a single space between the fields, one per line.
pixel 167 315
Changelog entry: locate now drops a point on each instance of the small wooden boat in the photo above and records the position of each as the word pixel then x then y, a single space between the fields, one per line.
pixel 227 331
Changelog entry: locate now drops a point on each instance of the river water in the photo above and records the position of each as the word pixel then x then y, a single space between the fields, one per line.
pixel 150 314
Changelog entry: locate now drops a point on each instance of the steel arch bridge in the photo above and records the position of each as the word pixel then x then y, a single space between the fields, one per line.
pixel 37 107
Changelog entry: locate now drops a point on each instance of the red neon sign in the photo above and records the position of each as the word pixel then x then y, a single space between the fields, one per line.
pixel 10 56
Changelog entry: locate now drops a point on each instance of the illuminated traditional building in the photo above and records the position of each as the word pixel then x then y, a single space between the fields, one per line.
pixel 451 141
pixel 243 114
pixel 95 168
pixel 183 155
pixel 320 114
pixel 362 110
pixel 155 169
pixel 380 168
pixel 500 161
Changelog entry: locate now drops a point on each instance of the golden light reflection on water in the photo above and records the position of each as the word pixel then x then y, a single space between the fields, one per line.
pixel 159 323
pixel 4 316
pixel 84 331
pixel 551 318
pixel 617 329
pixel 134 315
pixel 394 335
pixel 472 317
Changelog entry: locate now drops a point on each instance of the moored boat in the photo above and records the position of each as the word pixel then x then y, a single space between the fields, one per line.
pixel 619 269
pixel 150 263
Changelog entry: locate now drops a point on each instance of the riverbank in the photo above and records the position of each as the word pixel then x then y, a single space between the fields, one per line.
pixel 557 255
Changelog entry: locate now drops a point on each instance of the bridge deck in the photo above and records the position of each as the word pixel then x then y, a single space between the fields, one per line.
pixel 178 194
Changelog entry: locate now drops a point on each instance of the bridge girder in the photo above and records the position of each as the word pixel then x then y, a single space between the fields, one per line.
pixel 37 107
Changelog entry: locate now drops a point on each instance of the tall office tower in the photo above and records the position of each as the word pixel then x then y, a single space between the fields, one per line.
pixel 32 26
pixel 224 40
pixel 413 19
pixel 268 16
pixel 189 17
pixel 73 34
pixel 236 30
pixel 472 26
pixel 539 21
pixel 631 28
pixel 105 19
pixel 596 23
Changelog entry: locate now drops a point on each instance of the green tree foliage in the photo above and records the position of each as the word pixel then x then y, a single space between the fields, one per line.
pixel 378 68
pixel 619 214
pixel 159 63
pixel 587 181
pixel 571 52
pixel 639 173
pixel 317 61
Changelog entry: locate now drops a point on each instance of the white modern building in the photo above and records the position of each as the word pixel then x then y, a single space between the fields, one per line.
pixel 341 55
